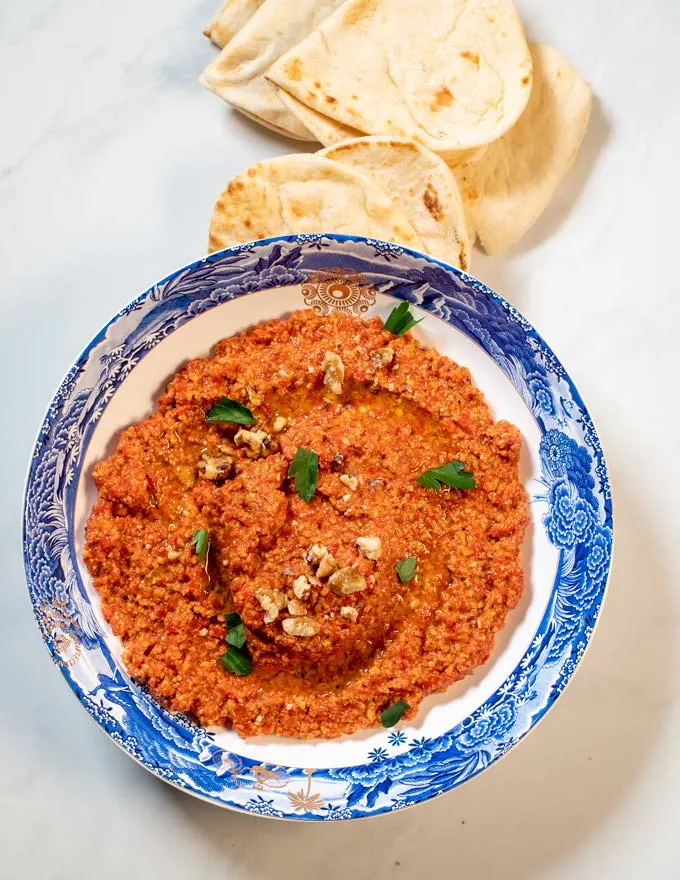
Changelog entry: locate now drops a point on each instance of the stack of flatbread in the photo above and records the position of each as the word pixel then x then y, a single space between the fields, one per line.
pixel 440 125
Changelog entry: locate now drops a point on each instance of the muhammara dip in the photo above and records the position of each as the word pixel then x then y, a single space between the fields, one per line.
pixel 378 590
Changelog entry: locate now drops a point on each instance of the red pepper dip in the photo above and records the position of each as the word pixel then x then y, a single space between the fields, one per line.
pixel 199 519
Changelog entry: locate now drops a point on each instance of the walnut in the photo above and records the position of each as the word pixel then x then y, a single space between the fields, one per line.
pixel 255 442
pixel 297 608
pixel 351 482
pixel 215 467
pixel 349 612
pixel 279 423
pixel 382 357
pixel 254 399
pixel 315 554
pixel 370 547
pixel 300 626
pixel 318 555
pixel 334 372
pixel 271 602
pixel 346 581
pixel 301 587
pixel 327 566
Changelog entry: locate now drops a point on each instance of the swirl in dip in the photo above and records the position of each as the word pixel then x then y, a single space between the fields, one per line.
pixel 197 520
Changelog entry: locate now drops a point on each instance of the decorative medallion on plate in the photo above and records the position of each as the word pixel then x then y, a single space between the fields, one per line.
pixel 338 290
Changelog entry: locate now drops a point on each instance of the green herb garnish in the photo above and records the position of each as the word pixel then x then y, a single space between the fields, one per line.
pixel 227 410
pixel 452 474
pixel 406 569
pixel 236 661
pixel 305 468
pixel 201 543
pixel 237 656
pixel 390 716
pixel 400 320
pixel 236 633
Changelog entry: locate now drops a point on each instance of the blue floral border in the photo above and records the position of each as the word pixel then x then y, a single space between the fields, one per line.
pixel 578 521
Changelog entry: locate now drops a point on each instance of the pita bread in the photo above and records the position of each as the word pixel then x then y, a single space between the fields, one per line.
pixel 259 102
pixel 451 74
pixel 420 183
pixel 329 132
pixel 326 130
pixel 305 193
pixel 237 74
pixel 229 20
pixel 511 185
pixel 460 168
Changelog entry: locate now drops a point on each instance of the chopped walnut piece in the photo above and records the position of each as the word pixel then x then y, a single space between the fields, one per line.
pixel 382 357
pixel 351 482
pixel 318 555
pixel 349 612
pixel 346 581
pixel 271 602
pixel 315 554
pixel 370 547
pixel 271 612
pixel 254 399
pixel 297 608
pixel 255 442
pixel 301 587
pixel 327 566
pixel 279 423
pixel 334 372
pixel 300 626
pixel 215 467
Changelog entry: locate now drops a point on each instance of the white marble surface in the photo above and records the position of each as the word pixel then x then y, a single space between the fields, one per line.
pixel 111 156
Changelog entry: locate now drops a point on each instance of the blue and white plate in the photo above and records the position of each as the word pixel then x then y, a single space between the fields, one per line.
pixel 567 554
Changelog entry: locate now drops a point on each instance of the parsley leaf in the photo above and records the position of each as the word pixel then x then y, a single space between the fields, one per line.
pixel 406 569
pixel 227 410
pixel 237 657
pixel 237 661
pixel 400 320
pixel 452 474
pixel 201 543
pixel 305 468
pixel 236 633
pixel 390 716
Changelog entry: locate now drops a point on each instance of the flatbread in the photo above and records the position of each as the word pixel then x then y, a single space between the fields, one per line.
pixel 229 19
pixel 237 74
pixel 326 130
pixel 258 101
pixel 329 132
pixel 305 193
pixel 508 189
pixel 420 183
pixel 451 74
